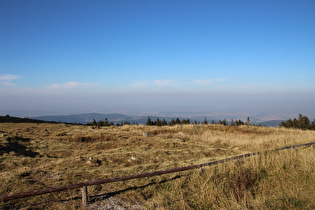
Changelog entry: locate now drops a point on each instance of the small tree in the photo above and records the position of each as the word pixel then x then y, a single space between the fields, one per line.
pixel 304 122
pixel 239 122
pixel 100 123
pixel 223 122
pixel 164 122
pixel 149 122
pixel 172 122
pixel 205 121
pixel 158 122
pixel 106 122
pixel 248 121
pixel 94 122
pixel 186 121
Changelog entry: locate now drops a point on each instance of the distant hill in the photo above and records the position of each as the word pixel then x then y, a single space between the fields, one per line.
pixel 88 118
pixel 114 118
pixel 270 123
pixel 9 119
pixel 84 118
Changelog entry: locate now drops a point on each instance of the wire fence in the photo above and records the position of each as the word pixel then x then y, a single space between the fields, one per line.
pixel 149 174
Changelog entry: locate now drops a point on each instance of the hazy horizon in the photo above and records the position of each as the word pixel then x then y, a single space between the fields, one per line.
pixel 154 57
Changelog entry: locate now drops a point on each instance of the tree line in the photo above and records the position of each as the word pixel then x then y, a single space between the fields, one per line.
pixel 158 122
pixel 172 122
pixel 107 123
pixel 303 122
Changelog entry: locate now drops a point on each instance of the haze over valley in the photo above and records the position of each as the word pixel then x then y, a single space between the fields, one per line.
pixel 215 59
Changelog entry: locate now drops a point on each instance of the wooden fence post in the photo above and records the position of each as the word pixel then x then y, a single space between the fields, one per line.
pixel 84 196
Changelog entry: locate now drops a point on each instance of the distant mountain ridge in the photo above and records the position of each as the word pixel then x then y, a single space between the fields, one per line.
pixel 9 119
pixel 114 118
pixel 84 118
pixel 89 117
pixel 270 123
pixel 120 118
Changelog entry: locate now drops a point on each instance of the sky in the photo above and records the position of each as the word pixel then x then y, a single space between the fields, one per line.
pixel 141 57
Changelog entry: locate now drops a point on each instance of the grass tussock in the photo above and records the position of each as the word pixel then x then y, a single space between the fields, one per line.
pixel 270 181
pixel 37 156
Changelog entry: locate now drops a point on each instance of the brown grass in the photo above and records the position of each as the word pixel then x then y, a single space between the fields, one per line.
pixel 38 156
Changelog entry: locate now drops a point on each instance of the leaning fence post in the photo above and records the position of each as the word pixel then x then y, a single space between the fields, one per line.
pixel 84 196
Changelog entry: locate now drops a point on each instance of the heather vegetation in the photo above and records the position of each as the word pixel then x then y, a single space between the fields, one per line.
pixel 37 156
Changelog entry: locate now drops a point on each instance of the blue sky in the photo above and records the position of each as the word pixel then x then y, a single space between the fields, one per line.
pixel 136 56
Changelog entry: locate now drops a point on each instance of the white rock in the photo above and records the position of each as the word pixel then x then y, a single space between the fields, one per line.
pixel 134 158
pixel 145 134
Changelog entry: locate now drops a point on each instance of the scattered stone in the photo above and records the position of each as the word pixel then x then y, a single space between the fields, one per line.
pixel 134 158
pixel 145 134
pixel 181 133
pixel 57 176
pixel 79 157
pixel 182 140
pixel 114 204
pixel 94 161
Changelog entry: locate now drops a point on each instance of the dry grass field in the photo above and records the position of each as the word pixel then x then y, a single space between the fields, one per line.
pixel 38 156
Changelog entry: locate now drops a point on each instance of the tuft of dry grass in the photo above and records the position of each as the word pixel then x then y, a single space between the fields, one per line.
pixel 37 156
pixel 271 181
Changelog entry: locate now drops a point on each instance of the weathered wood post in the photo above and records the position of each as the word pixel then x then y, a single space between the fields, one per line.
pixel 84 196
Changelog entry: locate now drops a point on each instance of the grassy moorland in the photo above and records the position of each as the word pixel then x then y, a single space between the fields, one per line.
pixel 38 156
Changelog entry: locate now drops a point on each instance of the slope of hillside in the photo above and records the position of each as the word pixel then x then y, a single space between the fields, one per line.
pixel 270 123
pixel 38 156
pixel 84 118
pixel 88 117
pixel 9 119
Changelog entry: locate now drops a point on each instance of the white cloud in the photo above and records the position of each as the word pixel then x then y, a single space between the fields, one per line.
pixel 141 84
pixel 156 84
pixel 6 79
pixel 207 82
pixel 174 83
pixel 7 84
pixel 166 83
pixel 69 85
